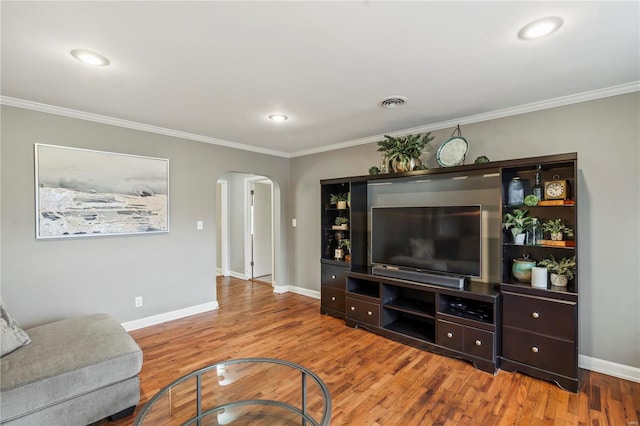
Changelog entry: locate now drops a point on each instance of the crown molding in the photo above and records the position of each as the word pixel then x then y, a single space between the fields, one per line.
pixel 507 112
pixel 67 112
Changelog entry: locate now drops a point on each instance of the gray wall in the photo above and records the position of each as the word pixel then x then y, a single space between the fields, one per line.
pixel 51 279
pixel 605 133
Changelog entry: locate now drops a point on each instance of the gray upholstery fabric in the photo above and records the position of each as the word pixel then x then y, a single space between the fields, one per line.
pixel 66 359
pixel 12 336
pixel 87 408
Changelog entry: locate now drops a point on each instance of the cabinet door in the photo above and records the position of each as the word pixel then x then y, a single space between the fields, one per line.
pixel 332 298
pixel 546 353
pixel 362 311
pixel 555 318
pixel 478 343
pixel 450 335
pixel 333 276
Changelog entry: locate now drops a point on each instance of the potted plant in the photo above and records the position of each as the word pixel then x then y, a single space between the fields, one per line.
pixel 403 153
pixel 340 200
pixel 557 229
pixel 518 222
pixel 341 223
pixel 561 270
pixel 346 243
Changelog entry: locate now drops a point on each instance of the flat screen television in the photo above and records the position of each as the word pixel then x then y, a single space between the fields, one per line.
pixel 442 239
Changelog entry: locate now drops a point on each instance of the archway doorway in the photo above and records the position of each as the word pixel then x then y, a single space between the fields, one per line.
pixel 245 219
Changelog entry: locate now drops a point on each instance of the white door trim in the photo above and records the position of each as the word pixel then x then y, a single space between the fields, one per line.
pixel 247 226
pixel 224 226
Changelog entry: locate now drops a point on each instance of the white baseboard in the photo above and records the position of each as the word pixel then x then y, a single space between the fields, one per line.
pixel 298 290
pixel 170 316
pixel 609 368
pixel 280 289
pixel 237 275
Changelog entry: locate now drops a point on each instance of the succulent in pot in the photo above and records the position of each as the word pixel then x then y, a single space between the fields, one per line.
pixel 341 223
pixel 557 229
pixel 561 270
pixel 340 200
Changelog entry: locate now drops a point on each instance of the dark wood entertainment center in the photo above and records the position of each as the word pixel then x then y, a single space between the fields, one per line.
pixel 495 324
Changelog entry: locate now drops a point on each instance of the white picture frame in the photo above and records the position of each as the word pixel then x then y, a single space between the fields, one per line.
pixel 87 193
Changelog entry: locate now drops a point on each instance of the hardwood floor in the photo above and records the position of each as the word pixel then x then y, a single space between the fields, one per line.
pixel 372 380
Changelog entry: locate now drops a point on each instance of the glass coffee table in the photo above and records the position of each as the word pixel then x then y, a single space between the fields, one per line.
pixel 248 391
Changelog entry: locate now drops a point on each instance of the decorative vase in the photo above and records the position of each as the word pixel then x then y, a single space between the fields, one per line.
pixel 342 205
pixel 406 165
pixel 521 269
pixel 515 193
pixel 338 254
pixel 519 239
pixel 556 236
pixel 558 280
pixel 384 164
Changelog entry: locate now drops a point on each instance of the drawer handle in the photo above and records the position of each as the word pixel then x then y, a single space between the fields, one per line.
pixel 333 277
pixel 449 335
pixel 478 342
pixel 369 313
pixel 333 298
pixel 535 315
pixel 353 308
pixel 534 349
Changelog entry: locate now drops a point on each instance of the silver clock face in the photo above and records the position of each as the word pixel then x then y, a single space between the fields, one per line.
pixel 555 189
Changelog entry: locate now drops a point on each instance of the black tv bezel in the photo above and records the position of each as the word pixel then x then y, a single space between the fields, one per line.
pixel 427 270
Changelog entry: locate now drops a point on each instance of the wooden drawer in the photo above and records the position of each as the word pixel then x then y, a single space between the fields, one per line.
pixel 449 335
pixel 554 318
pixel 478 343
pixel 554 355
pixel 332 298
pixel 362 311
pixel 333 276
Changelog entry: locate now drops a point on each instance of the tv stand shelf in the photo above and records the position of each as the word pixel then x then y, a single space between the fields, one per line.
pixel 421 315
pixel 406 297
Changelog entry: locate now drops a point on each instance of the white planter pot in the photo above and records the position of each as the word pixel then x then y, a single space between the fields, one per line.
pixel 556 236
pixel 558 280
pixel 519 239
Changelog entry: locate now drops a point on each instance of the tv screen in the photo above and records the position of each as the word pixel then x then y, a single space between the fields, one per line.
pixel 440 239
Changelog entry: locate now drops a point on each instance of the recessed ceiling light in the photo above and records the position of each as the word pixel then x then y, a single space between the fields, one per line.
pixel 393 102
pixel 278 117
pixel 89 57
pixel 540 28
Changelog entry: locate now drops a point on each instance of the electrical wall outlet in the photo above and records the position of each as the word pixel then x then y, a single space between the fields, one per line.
pixel 138 301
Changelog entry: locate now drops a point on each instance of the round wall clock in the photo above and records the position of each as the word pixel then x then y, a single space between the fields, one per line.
pixel 452 152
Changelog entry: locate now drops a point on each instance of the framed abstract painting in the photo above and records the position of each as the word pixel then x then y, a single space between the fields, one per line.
pixel 82 192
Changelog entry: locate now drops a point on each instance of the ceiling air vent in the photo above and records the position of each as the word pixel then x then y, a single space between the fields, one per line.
pixel 393 102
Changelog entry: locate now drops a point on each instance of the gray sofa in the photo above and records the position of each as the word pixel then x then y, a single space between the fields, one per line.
pixel 74 372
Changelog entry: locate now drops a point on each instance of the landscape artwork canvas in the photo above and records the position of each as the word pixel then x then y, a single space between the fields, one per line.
pixel 81 192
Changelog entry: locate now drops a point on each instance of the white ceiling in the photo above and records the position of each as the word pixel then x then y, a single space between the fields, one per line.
pixel 215 70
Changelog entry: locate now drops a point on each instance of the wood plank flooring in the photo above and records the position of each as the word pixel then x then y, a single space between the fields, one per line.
pixel 372 380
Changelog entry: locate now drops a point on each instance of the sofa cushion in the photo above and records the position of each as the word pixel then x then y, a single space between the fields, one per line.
pixel 12 336
pixel 66 359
